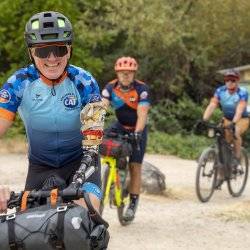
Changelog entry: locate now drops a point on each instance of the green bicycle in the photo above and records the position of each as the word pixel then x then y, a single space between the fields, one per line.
pixel 115 151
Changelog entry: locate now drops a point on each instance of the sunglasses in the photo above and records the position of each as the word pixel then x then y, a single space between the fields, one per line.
pixel 231 79
pixel 45 51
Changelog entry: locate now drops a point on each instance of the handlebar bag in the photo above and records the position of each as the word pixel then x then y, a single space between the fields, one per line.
pixel 66 227
pixel 115 148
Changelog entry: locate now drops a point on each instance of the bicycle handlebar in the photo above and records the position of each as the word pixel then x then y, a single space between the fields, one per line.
pixel 219 128
pixel 72 192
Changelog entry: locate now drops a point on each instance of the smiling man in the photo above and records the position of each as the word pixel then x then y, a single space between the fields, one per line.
pixel 60 106
pixel 130 99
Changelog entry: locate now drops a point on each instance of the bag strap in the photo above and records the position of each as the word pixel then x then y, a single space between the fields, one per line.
pixel 11 232
pixel 94 215
pixel 59 243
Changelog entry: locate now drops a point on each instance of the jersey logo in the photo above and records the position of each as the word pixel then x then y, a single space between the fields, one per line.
pixel 70 101
pixel 144 95
pixel 4 96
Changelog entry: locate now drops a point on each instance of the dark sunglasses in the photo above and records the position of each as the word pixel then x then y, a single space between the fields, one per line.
pixel 231 79
pixel 45 51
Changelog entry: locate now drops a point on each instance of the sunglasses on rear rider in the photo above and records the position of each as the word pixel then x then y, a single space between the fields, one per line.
pixel 45 51
pixel 231 79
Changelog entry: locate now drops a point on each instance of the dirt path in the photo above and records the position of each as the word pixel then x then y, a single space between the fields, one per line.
pixel 175 222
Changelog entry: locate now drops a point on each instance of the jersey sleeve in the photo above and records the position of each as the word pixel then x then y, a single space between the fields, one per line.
pixel 243 95
pixel 144 96
pixel 107 92
pixel 9 98
pixel 86 84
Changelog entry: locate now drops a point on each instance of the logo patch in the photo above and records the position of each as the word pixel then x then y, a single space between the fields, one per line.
pixel 95 98
pixel 76 222
pixel 70 101
pixel 144 95
pixel 132 99
pixel 4 96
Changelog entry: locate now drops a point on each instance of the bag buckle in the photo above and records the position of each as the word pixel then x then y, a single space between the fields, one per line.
pixel 11 216
pixel 61 209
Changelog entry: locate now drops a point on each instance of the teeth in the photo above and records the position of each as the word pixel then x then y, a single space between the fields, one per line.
pixel 52 65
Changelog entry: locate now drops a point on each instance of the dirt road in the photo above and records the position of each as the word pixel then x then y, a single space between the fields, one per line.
pixel 177 221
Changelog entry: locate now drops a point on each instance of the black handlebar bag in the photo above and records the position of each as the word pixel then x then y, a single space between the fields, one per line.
pixel 65 226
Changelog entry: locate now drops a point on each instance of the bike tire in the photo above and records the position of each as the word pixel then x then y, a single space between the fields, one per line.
pixel 209 153
pixel 232 180
pixel 105 170
pixel 123 206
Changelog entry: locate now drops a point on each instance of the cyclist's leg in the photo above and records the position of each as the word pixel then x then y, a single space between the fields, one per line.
pixel 240 128
pixel 135 164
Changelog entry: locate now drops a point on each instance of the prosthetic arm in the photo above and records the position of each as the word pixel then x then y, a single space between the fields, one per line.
pixel 92 120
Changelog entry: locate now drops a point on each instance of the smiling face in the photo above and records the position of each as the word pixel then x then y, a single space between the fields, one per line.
pixel 52 66
pixel 125 77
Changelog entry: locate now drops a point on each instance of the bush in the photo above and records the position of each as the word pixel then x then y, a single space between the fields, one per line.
pixel 188 146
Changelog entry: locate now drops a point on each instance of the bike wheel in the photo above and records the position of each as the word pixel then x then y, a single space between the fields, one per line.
pixel 238 178
pixel 104 179
pixel 206 175
pixel 124 198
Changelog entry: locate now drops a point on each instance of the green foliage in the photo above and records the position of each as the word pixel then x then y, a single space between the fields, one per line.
pixel 184 146
pixel 179 46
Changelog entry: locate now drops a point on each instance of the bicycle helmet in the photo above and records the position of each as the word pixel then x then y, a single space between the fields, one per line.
pixel 232 73
pixel 48 27
pixel 126 63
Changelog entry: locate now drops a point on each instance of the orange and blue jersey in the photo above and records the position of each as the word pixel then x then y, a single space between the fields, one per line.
pixel 126 103
pixel 51 119
pixel 229 101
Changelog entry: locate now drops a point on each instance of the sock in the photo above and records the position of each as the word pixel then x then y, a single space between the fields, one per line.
pixel 134 198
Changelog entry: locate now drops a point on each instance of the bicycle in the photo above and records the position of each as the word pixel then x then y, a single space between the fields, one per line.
pixel 218 159
pixel 55 218
pixel 115 152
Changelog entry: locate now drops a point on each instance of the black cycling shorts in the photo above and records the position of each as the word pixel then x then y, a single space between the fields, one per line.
pixel 37 174
pixel 137 155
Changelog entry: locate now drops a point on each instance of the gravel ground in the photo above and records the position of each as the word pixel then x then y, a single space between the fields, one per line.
pixel 174 221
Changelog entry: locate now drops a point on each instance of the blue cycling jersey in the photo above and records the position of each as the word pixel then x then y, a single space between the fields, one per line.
pixel 51 114
pixel 229 101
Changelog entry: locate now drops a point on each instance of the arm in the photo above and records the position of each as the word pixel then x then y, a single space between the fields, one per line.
pixel 210 109
pixel 239 110
pixel 142 114
pixel 106 102
pixel 4 126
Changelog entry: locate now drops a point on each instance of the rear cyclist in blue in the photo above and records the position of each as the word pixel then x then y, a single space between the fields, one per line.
pixel 232 99
pixel 60 106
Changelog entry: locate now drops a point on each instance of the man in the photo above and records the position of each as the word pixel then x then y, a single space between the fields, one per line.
pixel 233 101
pixel 50 95
pixel 129 97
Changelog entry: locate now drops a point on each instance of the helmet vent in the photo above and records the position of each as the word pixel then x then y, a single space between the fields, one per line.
pixel 48 25
pixel 49 36
pixel 47 15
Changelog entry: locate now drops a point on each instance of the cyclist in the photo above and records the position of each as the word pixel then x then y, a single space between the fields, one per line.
pixel 51 95
pixel 130 99
pixel 233 101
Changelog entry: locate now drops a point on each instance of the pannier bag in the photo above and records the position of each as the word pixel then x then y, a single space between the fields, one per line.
pixel 115 148
pixel 45 227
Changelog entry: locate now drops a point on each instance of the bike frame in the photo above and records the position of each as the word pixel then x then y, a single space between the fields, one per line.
pixel 224 151
pixel 113 178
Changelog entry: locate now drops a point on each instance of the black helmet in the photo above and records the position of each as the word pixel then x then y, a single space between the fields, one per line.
pixel 48 27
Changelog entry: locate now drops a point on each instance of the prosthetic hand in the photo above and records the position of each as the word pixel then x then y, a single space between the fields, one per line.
pixel 92 119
